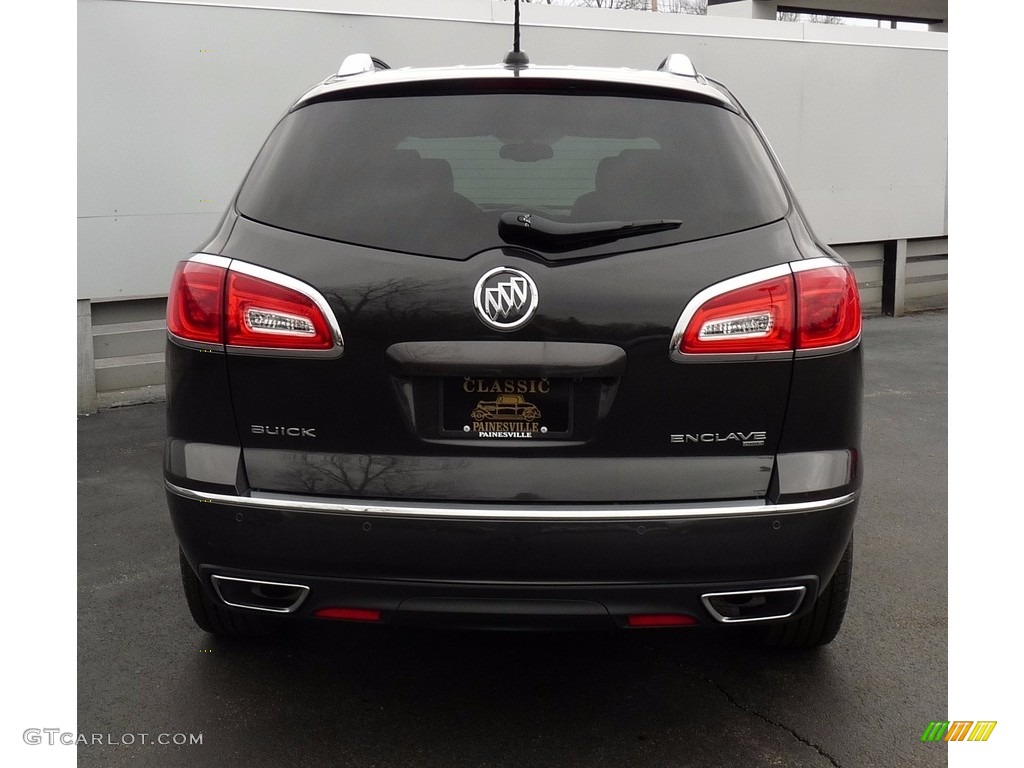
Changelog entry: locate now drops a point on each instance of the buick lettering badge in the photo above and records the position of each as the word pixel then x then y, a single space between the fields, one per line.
pixel 505 298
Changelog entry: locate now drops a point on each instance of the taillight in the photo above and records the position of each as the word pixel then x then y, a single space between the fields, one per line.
pixel 216 301
pixel 807 306
pixel 829 309
pixel 195 305
pixel 266 314
pixel 754 318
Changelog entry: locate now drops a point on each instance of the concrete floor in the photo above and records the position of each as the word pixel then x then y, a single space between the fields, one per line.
pixel 356 696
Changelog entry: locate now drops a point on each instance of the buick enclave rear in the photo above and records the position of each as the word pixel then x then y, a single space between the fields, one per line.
pixel 515 347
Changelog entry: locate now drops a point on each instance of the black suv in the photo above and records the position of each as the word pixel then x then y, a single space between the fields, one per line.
pixel 518 347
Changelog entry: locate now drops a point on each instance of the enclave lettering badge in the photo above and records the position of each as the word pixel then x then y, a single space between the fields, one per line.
pixel 746 439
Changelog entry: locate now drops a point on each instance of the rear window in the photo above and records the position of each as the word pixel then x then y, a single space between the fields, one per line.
pixel 433 174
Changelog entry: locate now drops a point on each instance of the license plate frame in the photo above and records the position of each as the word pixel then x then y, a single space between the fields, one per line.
pixel 521 408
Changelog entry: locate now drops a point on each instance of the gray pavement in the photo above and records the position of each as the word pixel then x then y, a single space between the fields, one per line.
pixel 357 696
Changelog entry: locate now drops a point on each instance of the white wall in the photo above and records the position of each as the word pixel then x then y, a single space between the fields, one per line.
pixel 176 98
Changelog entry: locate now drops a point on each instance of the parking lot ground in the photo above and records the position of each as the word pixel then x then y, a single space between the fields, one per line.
pixel 338 695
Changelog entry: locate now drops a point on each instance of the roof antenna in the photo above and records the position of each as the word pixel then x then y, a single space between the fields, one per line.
pixel 516 57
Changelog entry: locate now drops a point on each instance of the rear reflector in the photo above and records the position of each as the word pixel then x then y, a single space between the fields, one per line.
pixel 661 620
pixel 810 305
pixel 348 614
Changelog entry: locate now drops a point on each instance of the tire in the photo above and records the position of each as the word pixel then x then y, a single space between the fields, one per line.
pixel 821 625
pixel 211 617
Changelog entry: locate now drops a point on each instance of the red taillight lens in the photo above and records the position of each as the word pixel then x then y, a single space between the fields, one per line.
pixel 829 307
pixel 195 304
pixel 754 318
pixel 264 314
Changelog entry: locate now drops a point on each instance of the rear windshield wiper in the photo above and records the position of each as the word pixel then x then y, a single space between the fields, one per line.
pixel 531 229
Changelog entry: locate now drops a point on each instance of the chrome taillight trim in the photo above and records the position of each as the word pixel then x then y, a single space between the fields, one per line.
pixel 742 281
pixel 208 258
pixel 568 513
pixel 806 265
pixel 834 349
pixel 202 346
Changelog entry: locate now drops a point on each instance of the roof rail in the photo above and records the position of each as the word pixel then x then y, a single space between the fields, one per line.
pixel 357 63
pixel 678 64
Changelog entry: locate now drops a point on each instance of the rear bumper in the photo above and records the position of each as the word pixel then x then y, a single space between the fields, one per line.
pixel 457 605
pixel 513 566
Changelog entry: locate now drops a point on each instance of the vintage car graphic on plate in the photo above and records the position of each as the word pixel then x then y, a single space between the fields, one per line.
pixel 513 407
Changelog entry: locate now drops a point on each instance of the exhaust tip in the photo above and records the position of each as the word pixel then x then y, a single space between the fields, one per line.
pixel 754 604
pixel 272 596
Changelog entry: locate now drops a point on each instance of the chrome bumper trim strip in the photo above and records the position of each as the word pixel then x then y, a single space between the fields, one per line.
pixel 569 512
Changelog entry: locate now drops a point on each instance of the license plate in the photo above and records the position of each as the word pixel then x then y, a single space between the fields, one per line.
pixel 490 408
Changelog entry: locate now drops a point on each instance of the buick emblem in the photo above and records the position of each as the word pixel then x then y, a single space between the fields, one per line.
pixel 505 298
